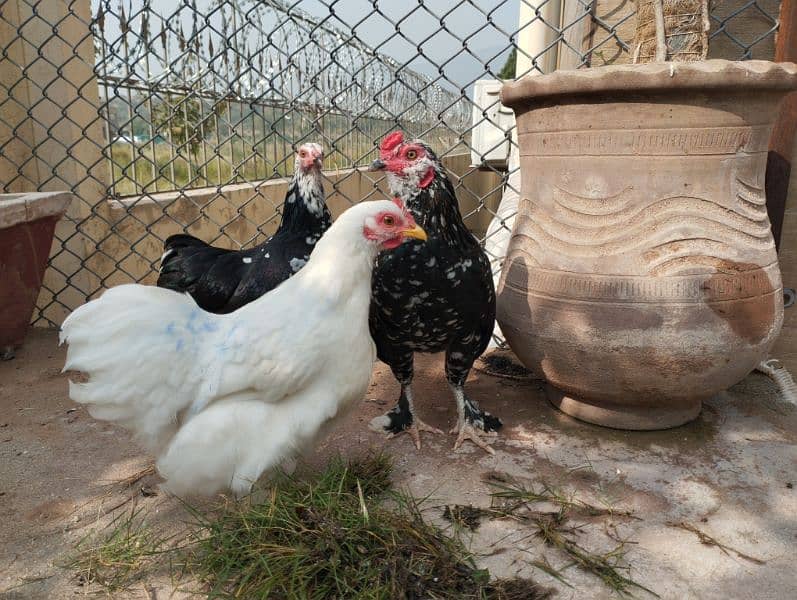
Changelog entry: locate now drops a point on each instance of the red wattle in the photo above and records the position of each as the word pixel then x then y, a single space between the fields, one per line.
pixel 427 179
pixel 392 243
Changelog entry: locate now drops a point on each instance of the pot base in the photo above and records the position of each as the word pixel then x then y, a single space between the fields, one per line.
pixel 635 418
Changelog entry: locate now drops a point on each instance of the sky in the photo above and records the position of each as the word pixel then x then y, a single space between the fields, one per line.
pixel 437 27
pixel 426 26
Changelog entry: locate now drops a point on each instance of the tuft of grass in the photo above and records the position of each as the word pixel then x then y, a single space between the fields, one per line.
pixel 344 533
pixel 341 533
pixel 122 554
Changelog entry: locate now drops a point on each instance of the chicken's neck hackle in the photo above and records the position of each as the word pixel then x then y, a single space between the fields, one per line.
pixel 434 206
pixel 304 209
pixel 342 261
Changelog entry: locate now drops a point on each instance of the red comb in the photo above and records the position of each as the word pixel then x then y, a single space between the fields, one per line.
pixel 391 141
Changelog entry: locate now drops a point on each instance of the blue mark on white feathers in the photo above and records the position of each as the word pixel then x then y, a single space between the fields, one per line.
pixel 197 324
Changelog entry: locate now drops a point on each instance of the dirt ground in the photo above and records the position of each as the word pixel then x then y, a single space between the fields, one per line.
pixel 731 474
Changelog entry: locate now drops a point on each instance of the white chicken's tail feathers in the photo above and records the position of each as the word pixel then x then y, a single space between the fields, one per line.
pixel 773 369
pixel 139 346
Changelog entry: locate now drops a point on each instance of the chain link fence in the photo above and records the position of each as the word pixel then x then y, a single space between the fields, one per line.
pixel 183 116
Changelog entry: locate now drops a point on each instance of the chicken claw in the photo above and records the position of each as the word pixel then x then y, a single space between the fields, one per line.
pixel 402 418
pixel 468 432
pixel 415 429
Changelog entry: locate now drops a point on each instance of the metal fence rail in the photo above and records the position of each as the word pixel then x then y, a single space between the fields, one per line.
pixel 137 105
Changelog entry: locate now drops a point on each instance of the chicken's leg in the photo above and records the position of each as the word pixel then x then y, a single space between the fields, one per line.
pixel 473 423
pixel 402 417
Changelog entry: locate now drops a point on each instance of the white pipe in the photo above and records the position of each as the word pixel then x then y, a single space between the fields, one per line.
pixel 773 369
pixel 534 37
pixel 500 229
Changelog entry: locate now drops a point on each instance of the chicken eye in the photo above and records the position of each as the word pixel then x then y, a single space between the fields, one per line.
pixel 302 153
pixel 411 154
pixel 389 221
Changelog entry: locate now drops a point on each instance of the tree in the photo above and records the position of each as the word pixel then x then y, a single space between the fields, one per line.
pixel 185 121
pixel 508 70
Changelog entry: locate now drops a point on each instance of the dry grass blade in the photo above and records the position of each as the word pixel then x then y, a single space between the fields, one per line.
pixel 710 541
pixel 546 567
pixel 554 528
pixel 136 477
pixel 606 566
pixel 510 492
pixel 122 554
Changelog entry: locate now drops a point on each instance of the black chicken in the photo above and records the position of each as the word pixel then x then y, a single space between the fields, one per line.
pixel 431 297
pixel 222 280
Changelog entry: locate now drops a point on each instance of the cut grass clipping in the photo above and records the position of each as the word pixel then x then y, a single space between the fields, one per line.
pixel 514 500
pixel 339 533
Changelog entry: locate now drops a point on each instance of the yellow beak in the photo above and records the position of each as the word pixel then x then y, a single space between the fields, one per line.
pixel 416 232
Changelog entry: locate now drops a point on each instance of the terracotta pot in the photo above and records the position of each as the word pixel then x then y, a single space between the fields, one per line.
pixel 27 224
pixel 641 276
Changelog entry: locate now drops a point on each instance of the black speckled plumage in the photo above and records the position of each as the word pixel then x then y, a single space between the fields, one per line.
pixel 222 280
pixel 433 297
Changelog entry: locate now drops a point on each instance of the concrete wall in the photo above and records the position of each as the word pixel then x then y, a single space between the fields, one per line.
pixel 246 214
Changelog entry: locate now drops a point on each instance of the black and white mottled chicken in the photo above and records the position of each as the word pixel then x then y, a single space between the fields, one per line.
pixel 220 398
pixel 222 280
pixel 431 297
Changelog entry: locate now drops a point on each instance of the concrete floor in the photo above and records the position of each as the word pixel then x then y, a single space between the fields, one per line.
pixel 731 474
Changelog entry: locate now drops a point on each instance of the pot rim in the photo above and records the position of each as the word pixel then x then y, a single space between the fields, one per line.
pixel 707 75
pixel 25 207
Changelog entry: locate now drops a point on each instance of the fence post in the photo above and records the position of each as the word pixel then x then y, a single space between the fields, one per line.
pixel 53 132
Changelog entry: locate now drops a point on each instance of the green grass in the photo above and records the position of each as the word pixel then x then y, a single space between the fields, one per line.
pixel 148 170
pixel 342 532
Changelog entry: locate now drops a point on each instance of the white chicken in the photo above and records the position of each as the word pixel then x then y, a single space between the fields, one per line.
pixel 220 398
